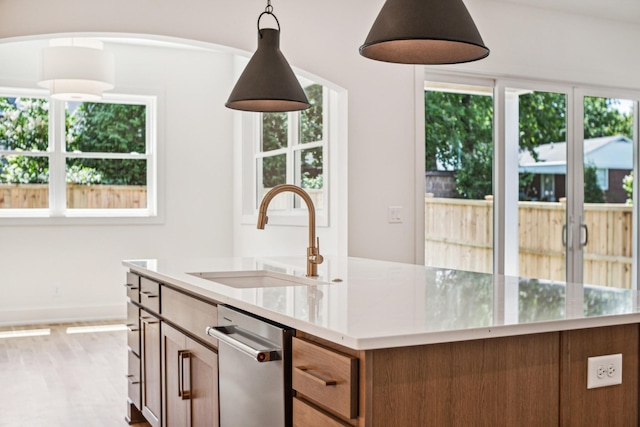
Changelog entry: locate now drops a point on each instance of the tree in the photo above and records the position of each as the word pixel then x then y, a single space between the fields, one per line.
pixel 627 184
pixel 275 136
pixel 454 123
pixel 109 128
pixel 24 126
pixel 459 130
pixel 592 191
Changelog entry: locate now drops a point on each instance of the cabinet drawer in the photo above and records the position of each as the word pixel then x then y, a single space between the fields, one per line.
pixel 133 326
pixel 191 314
pixel 133 287
pixel 150 294
pixel 134 384
pixel 325 376
pixel 305 415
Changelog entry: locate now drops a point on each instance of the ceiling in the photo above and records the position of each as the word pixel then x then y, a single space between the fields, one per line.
pixel 617 10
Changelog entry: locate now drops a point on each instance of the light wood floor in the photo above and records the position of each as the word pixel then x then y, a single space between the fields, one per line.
pixel 64 380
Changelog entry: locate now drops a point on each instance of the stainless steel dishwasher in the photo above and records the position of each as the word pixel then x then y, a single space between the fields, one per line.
pixel 254 357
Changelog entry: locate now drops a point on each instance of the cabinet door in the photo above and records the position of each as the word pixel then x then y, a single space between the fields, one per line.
pixel 151 374
pixel 190 381
pixel 173 360
pixel 203 385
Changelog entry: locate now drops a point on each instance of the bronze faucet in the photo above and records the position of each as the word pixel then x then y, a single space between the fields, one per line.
pixel 313 251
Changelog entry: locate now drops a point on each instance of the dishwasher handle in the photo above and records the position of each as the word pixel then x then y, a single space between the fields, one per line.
pixel 223 333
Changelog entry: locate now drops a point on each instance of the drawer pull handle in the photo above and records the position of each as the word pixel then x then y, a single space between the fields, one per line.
pixel 131 380
pixel 306 372
pixel 149 294
pixel 130 286
pixel 184 393
pixel 132 329
pixel 146 320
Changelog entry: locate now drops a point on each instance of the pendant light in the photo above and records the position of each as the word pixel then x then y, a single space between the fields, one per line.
pixel 76 69
pixel 424 32
pixel 268 83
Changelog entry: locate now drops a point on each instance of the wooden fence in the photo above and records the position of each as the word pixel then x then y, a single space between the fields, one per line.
pixel 459 234
pixel 34 196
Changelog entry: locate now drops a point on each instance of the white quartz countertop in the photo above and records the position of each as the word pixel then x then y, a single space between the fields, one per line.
pixel 378 304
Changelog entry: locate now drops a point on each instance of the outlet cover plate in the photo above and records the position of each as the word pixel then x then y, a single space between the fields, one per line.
pixel 604 371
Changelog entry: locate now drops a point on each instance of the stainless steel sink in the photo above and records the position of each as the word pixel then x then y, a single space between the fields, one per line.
pixel 256 279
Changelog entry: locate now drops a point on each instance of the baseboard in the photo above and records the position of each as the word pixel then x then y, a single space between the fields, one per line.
pixel 51 315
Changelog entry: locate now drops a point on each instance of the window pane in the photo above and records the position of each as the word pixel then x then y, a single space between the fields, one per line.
pixel 458 177
pixel 275 131
pixel 24 124
pixel 106 184
pixel 24 182
pixel 537 126
pixel 311 126
pixel 608 186
pixel 105 128
pixel 309 168
pixel 273 172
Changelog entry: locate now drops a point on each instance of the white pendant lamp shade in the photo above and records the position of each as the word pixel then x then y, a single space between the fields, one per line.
pixel 76 69
pixel 424 32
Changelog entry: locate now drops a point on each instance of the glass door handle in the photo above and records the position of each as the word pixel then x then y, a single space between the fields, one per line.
pixel 585 241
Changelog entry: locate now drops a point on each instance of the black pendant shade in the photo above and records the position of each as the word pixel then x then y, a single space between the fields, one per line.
pixel 268 83
pixel 424 32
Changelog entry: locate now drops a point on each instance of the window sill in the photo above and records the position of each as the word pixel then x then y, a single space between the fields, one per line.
pixel 38 217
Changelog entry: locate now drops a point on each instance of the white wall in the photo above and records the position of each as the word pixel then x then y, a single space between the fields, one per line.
pixel 323 39
pixel 84 262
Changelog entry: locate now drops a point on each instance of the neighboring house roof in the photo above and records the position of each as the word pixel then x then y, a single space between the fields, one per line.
pixel 609 152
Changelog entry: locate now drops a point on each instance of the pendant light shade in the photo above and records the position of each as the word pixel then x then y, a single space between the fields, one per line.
pixel 268 83
pixel 424 32
pixel 76 69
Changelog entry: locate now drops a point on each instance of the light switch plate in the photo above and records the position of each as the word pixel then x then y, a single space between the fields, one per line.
pixel 603 371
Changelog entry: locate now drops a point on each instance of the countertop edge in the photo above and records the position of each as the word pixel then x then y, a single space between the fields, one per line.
pixel 373 343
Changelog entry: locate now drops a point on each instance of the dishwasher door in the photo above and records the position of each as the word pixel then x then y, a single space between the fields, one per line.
pixel 255 370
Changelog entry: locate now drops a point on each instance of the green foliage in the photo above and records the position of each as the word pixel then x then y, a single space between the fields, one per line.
pixel 275 129
pixel 474 179
pixel 542 119
pixel 592 192
pixel 25 124
pixel 602 118
pixel 109 128
pixel 77 174
pixel 311 123
pixel 454 123
pixel 25 170
pixel 459 130
pixel 92 127
pixel 627 184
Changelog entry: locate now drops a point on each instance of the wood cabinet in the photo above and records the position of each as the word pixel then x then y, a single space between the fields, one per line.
pixel 527 380
pixel 134 377
pixel 325 381
pixel 151 368
pixel 190 381
pixel 173 363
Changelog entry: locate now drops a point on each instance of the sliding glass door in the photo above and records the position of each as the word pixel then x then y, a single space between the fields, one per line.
pixel 559 205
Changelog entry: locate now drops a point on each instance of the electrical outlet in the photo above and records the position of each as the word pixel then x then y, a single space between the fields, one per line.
pixel 603 371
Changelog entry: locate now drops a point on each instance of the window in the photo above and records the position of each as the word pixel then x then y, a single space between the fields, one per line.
pixel 72 159
pixel 292 148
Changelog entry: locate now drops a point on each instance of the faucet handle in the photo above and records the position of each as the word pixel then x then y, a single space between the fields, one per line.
pixel 315 256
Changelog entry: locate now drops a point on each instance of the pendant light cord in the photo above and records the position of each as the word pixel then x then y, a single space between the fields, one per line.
pixel 267 11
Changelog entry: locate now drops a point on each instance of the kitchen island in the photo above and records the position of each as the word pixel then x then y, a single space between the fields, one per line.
pixel 430 346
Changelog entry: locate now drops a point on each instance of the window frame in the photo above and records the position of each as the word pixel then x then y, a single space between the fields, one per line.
pixel 57 213
pixel 252 153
